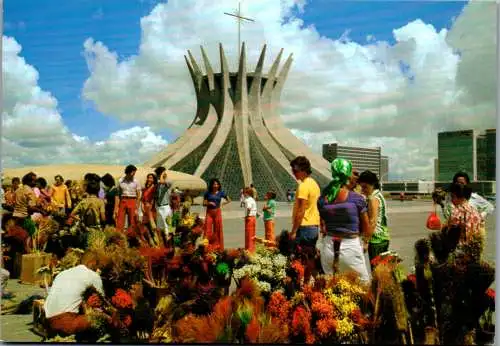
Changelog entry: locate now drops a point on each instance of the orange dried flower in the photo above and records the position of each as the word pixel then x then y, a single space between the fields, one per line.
pixel 253 330
pixel 279 307
pixel 326 326
pixel 301 322
pixel 122 300
pixel 298 268
pixel 94 301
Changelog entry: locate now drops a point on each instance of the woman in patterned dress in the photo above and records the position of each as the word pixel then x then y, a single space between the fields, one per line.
pixel 464 214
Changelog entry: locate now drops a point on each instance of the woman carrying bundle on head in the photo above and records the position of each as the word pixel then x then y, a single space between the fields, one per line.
pixel 344 219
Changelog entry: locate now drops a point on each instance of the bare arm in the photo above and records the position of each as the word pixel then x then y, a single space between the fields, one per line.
pixel 228 200
pixel 373 205
pixel 299 215
pixel 365 228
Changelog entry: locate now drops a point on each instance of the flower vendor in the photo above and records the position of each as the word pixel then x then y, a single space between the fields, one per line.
pixel 63 304
pixel 344 218
pixel 250 219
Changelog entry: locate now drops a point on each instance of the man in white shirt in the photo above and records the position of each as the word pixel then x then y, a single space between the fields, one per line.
pixel 62 306
pixel 128 199
pixel 250 219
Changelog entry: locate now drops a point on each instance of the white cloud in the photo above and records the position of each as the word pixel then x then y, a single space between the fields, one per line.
pixel 33 131
pixel 355 93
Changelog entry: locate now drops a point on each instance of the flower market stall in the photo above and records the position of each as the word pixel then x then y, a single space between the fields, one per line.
pixel 185 290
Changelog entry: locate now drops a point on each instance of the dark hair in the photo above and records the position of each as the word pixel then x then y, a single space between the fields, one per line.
pixel 272 194
pixel 212 182
pixel 129 169
pixel 155 179
pixel 16 180
pixel 301 164
pixel 42 182
pixel 460 190
pixel 28 178
pixel 58 177
pixel 461 175
pixel 68 183
pixel 159 171
pixel 92 177
pixel 108 180
pixel 92 187
pixel 370 178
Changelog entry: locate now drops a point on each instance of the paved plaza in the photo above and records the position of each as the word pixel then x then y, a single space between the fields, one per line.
pixel 406 222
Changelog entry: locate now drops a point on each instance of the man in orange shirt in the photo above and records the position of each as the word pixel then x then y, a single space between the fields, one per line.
pixel 60 194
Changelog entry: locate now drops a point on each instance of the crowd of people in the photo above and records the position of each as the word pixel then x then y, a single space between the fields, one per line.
pixel 335 225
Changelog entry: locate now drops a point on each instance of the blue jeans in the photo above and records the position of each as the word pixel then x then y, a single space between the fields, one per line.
pixel 307 235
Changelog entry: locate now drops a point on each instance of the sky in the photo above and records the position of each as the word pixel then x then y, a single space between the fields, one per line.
pixel 104 81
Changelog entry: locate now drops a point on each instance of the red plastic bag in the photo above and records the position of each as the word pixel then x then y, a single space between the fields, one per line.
pixel 433 222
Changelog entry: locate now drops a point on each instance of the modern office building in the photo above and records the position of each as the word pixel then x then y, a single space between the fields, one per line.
pixel 362 158
pixel 384 168
pixel 470 151
pixel 436 169
pixel 491 154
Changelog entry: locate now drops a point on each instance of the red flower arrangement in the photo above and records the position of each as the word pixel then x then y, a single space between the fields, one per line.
pixel 326 326
pixel 127 320
pixel 490 293
pixel 212 248
pixel 279 307
pixel 301 322
pixel 298 268
pixel 94 301
pixel 358 318
pixel 122 300
pixel 321 307
pixel 412 278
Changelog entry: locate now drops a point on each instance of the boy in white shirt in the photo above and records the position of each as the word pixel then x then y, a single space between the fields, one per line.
pixel 250 219
pixel 62 306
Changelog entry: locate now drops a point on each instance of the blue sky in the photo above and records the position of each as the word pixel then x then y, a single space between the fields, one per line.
pixel 52 33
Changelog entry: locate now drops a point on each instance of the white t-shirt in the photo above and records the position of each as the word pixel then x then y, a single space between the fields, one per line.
pixel 65 295
pixel 250 207
pixel 129 188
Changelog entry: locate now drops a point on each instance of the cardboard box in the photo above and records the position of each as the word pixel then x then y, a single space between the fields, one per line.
pixel 31 263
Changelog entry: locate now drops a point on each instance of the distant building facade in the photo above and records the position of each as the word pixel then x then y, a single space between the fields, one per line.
pixel 362 159
pixel 384 168
pixel 436 169
pixel 470 151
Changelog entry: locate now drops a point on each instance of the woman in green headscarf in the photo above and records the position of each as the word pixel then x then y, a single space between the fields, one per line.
pixel 344 218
